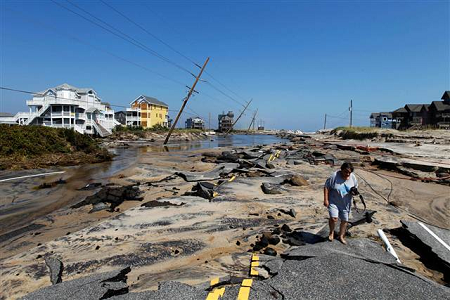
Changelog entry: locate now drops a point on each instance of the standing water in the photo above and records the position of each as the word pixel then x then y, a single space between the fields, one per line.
pixel 20 197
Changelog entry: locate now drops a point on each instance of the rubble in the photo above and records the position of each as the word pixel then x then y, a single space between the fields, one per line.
pixel 271 189
pixel 114 195
pixel 297 180
pixel 232 198
pixel 222 169
pixel 56 268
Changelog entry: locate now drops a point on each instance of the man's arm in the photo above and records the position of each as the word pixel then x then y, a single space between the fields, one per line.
pixel 325 197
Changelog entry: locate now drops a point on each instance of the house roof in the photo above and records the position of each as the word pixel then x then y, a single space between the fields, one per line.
pixel 386 114
pixel 446 96
pixel 374 115
pixel 68 87
pixel 150 100
pixel 416 107
pixel 400 110
pixel 91 109
pixel 4 114
pixel 441 105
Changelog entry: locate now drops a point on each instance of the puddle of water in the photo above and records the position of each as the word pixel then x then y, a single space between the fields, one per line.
pixel 238 140
pixel 20 197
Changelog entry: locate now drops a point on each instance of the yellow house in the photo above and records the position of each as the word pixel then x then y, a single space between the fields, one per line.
pixel 147 112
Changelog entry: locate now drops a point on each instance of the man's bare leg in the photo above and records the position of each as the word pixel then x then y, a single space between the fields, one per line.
pixel 332 223
pixel 342 231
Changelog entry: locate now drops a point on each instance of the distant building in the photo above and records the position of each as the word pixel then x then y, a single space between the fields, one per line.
pixel 386 120
pixel 401 116
pixel 69 107
pixel 195 123
pixel 147 112
pixel 7 118
pixel 121 117
pixel 417 114
pixel 375 120
pixel 436 115
pixel 226 121
pixel 439 111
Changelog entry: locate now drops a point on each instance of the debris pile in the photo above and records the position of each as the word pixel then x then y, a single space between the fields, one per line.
pixel 112 195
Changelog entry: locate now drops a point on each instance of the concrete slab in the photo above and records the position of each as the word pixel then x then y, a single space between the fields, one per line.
pixel 357 248
pixel 338 276
pixel 98 286
pixel 167 290
pixel 440 249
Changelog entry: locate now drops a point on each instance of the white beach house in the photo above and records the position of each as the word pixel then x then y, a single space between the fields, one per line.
pixel 69 107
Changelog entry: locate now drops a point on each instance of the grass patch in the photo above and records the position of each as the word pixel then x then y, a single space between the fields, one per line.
pixel 356 133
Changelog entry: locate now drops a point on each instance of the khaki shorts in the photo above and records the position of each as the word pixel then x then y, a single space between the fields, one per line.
pixel 338 212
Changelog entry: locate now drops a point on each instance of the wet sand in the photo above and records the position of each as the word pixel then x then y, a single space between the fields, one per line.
pixel 200 239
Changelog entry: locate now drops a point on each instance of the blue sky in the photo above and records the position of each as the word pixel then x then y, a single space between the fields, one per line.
pixel 297 60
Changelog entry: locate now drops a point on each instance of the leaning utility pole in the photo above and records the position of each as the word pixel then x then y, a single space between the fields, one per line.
pixel 253 121
pixel 351 112
pixel 209 121
pixel 325 122
pixel 242 112
pixel 185 101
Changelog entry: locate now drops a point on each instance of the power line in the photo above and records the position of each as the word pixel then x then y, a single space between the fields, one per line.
pixel 149 33
pixel 189 59
pixel 223 93
pixel 67 35
pixel 167 45
pixel 140 45
pixel 121 34
pixel 216 80
pixel 194 113
pixel 55 97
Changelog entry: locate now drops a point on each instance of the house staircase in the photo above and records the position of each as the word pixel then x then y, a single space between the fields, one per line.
pixel 37 114
pixel 102 131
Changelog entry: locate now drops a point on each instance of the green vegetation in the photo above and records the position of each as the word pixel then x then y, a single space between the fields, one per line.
pixel 24 145
pixel 356 133
pixel 358 129
pixel 37 140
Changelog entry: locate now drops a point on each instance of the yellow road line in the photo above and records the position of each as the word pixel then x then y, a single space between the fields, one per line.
pixel 247 282
pixel 232 178
pixel 244 291
pixel 253 272
pixel 216 293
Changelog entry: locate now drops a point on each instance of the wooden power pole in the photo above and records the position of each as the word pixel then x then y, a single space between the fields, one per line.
pixel 185 101
pixel 325 122
pixel 253 121
pixel 238 117
pixel 351 112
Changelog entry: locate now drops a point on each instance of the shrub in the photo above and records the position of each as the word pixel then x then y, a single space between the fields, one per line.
pixel 36 140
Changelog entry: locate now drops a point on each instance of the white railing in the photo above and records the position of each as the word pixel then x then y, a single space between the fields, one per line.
pixel 36 114
pixel 78 128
